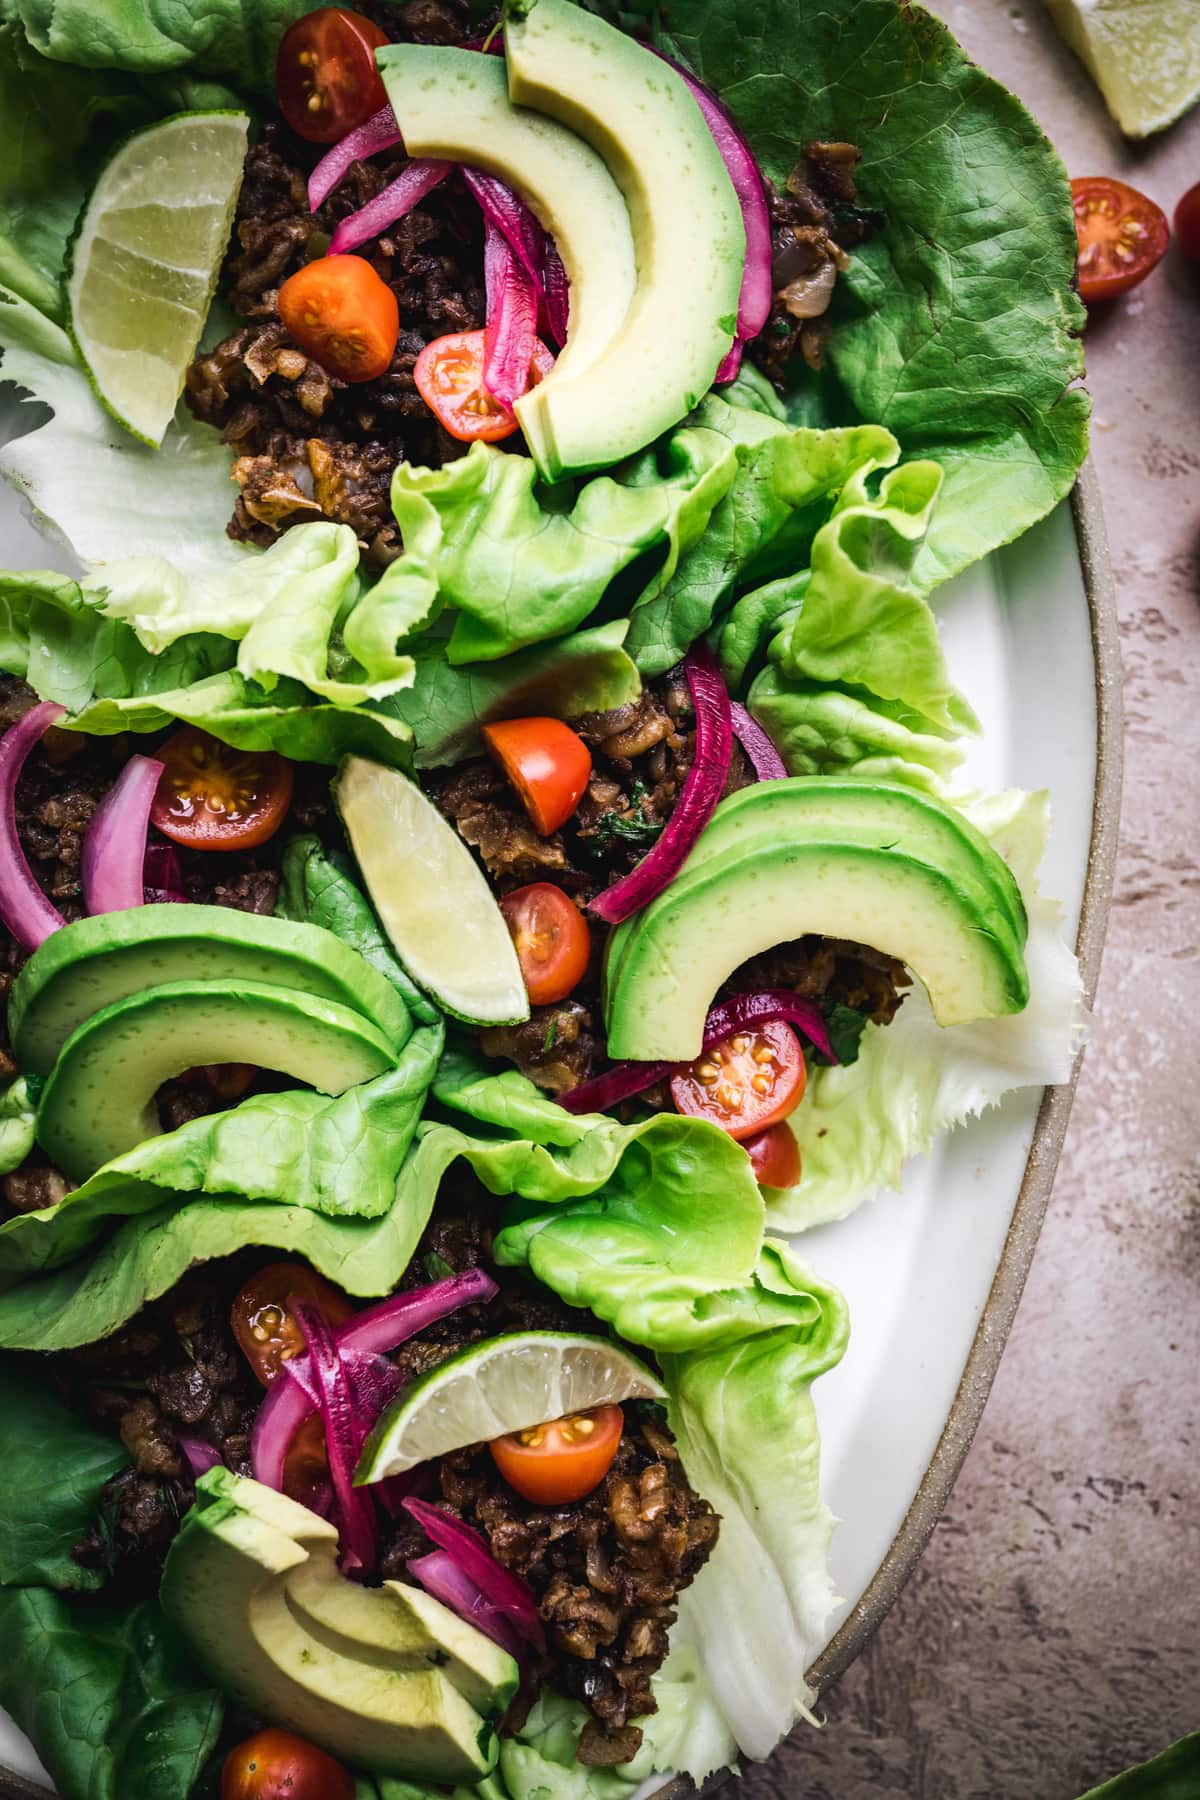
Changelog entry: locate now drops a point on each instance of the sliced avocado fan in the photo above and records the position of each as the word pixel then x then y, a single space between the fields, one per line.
pixel 99 1100
pixel 386 1678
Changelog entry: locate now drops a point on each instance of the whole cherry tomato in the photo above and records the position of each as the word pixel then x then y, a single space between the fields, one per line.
pixel 449 378
pixel 1122 236
pixel 213 797
pixel 547 763
pixel 564 1460
pixel 325 74
pixel 746 1082
pixel 262 1324
pixel 552 938
pixel 274 1765
pixel 1187 223
pixel 343 315
pixel 774 1156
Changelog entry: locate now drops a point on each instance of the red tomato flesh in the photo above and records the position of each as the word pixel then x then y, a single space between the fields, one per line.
pixel 746 1082
pixel 547 763
pixel 552 938
pixel 562 1461
pixel 343 315
pixel 275 1765
pixel 212 797
pixel 263 1326
pixel 1187 223
pixel 449 378
pixel 774 1156
pixel 325 74
pixel 1122 236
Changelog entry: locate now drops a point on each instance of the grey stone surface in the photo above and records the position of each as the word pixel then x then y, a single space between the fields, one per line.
pixel 1051 1634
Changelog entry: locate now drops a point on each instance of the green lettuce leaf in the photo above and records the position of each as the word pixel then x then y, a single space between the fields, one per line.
pixel 1173 1775
pixel 107 1696
pixel 914 1079
pixel 62 639
pixel 55 1465
pixel 589 671
pixel 521 563
pixel 956 325
pixel 17 1124
pixel 233 40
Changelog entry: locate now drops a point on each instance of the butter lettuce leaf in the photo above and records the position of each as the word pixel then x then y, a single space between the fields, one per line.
pixel 17 1124
pixel 55 1465
pixel 234 40
pixel 956 325
pixel 914 1079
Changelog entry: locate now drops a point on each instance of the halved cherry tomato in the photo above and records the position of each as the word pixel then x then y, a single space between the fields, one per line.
pixel 449 378
pixel 343 315
pixel 1187 225
pixel 274 1765
pixel 306 1477
pixel 262 1324
pixel 564 1460
pixel 552 938
pixel 325 74
pixel 1122 235
pixel 746 1082
pixel 212 797
pixel 774 1156
pixel 547 763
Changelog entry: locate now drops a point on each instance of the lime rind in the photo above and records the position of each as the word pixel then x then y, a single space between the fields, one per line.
pixel 505 1384
pixel 431 896
pixel 144 260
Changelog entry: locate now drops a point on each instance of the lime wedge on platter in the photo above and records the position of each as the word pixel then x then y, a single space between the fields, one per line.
pixel 1143 54
pixel 145 260
pixel 501 1385
pixel 432 898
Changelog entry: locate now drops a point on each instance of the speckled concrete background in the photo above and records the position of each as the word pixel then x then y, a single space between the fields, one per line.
pixel 1051 1633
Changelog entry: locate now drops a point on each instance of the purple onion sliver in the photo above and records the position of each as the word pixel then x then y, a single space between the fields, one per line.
pixel 379 132
pixel 509 337
pixel 441 1576
pixel 23 907
pixel 114 845
pixel 767 763
pixel 557 293
pixel 510 215
pixel 162 874
pixel 201 1457
pixel 700 793
pixel 399 197
pixel 356 1519
pixel 470 1551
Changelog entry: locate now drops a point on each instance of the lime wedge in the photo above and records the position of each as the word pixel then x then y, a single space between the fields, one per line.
pixel 504 1384
pixel 145 258
pixel 1144 55
pixel 431 896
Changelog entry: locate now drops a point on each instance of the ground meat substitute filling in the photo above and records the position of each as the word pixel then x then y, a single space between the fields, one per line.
pixel 641 753
pixel 606 1570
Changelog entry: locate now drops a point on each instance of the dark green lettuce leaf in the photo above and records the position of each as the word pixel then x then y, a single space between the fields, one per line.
pixel 1174 1775
pixel 107 1696
pixel 55 1465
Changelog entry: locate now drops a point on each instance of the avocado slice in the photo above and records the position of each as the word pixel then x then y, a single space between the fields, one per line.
pixel 763 892
pixel 96 962
pixel 455 104
pixel 99 1100
pixel 252 1583
pixel 688 235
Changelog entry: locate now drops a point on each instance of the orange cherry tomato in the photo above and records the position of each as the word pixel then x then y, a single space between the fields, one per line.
pixel 552 938
pixel 562 1461
pixel 325 74
pixel 547 763
pixel 274 1765
pixel 746 1082
pixel 774 1156
pixel 1122 236
pixel 449 378
pixel 343 315
pixel 262 1324
pixel 1187 223
pixel 213 797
